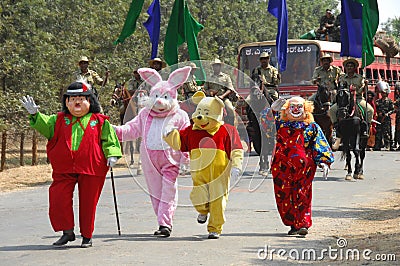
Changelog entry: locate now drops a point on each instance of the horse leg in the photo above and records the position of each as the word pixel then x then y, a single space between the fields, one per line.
pixel 348 164
pixel 139 169
pixel 357 164
pixel 131 150
pixel 362 157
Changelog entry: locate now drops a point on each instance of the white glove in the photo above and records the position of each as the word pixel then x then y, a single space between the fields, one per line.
pixel 184 169
pixel 114 127
pixel 168 129
pixel 29 104
pixel 325 169
pixel 277 105
pixel 112 161
pixel 235 174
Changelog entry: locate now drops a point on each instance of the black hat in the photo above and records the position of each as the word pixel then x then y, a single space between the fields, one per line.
pixel 79 88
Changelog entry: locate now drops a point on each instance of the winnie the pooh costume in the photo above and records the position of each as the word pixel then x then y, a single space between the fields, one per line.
pixel 216 156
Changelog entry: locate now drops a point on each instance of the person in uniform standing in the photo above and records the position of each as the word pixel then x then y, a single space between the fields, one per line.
pixel 220 84
pixel 268 76
pixel 384 108
pixel 326 75
pixel 355 82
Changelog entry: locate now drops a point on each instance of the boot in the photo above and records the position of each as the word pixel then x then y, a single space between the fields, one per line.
pixel 86 242
pixel 68 236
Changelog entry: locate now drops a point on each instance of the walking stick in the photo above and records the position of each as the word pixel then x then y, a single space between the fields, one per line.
pixel 115 200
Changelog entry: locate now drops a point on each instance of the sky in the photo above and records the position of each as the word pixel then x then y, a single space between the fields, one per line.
pixel 388 9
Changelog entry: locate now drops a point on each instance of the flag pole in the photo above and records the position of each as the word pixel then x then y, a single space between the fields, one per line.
pixel 366 92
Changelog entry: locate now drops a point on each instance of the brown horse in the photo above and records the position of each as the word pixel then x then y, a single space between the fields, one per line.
pixel 321 111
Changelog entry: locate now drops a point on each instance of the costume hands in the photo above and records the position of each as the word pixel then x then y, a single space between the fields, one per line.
pixel 112 161
pixel 168 129
pixel 325 169
pixel 29 104
pixel 235 174
pixel 278 104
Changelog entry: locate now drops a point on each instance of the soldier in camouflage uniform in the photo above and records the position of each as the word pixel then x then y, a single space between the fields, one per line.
pixel 268 75
pixel 88 75
pixel 190 86
pixel 220 84
pixel 326 26
pixel 327 76
pixel 384 108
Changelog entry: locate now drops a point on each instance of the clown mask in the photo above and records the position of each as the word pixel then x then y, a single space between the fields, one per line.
pixel 295 110
pixel 77 105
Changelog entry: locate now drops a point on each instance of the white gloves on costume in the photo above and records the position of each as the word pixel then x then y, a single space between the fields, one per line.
pixel 235 174
pixel 168 129
pixel 325 169
pixel 277 105
pixel 29 104
pixel 112 161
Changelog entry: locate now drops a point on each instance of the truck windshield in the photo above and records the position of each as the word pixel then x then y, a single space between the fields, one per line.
pixel 301 61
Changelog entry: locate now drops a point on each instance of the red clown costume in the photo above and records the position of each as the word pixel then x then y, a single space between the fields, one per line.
pixel 300 147
pixel 82 145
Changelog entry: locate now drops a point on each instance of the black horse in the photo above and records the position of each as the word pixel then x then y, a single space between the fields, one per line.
pixel 261 136
pixel 350 130
pixel 322 103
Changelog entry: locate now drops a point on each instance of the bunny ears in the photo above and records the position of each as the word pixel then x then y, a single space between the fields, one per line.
pixel 175 80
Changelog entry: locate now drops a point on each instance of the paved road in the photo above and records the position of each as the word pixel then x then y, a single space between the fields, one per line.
pixel 252 221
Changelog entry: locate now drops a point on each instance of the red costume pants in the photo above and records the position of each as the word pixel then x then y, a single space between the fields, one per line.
pixel 61 201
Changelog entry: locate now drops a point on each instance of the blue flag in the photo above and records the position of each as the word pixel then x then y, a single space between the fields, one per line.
pixel 279 10
pixel 153 26
pixel 351 31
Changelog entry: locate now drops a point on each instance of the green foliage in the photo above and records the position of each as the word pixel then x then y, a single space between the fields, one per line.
pixel 41 41
pixel 392 27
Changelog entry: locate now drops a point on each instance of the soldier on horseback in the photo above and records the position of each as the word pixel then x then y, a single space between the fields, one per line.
pixel 326 75
pixel 268 76
pixel 354 81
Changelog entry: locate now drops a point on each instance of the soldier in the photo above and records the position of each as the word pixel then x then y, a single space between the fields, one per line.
pixel 384 108
pixel 327 76
pixel 357 83
pixel 326 25
pixel 88 75
pixel 134 82
pixel 397 121
pixel 158 65
pixel 220 84
pixel 268 75
pixel 190 86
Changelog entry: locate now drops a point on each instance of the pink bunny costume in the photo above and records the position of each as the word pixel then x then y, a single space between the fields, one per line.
pixel 160 162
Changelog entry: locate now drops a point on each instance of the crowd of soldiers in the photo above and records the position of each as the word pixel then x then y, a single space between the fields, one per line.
pixel 378 105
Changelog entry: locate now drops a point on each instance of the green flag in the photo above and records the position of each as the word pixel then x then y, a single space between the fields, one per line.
pixel 370 23
pixel 130 22
pixel 182 27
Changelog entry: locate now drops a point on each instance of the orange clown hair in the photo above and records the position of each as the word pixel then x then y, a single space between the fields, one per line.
pixel 308 109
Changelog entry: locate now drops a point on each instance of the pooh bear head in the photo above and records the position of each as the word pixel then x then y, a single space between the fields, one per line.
pixel 209 112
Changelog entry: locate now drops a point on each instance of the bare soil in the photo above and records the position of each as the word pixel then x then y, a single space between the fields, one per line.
pixel 376 227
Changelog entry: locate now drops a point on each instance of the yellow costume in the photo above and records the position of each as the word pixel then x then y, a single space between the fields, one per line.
pixel 216 153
